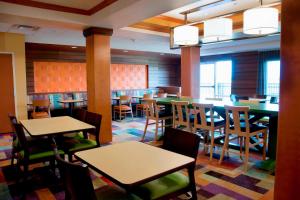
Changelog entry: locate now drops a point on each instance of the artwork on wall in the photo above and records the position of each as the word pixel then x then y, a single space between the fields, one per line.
pixel 127 76
pixel 59 77
pixel 71 76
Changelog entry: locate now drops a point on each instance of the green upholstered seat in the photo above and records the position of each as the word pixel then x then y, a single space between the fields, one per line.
pixel 162 186
pixel 113 193
pixel 40 155
pixel 77 143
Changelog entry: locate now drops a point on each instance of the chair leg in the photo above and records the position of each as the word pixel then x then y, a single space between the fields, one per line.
pixel 114 115
pixel 212 144
pixel 156 129
pixel 70 157
pixel 241 147
pixel 145 130
pixel 246 153
pixel 265 144
pixel 131 114
pixel 162 126
pixel 12 156
pixel 224 148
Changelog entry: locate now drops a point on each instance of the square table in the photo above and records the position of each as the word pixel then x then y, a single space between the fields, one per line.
pixel 129 164
pixel 71 103
pixel 54 126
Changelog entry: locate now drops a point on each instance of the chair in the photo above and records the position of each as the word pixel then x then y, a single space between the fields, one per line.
pixel 274 100
pixel 30 154
pixel 142 107
pixel 124 107
pixel 153 112
pixel 209 124
pixel 78 184
pixel 72 145
pixel 79 114
pixel 181 115
pixel 174 184
pixel 44 109
pixel 15 143
pixel 162 95
pixel 243 130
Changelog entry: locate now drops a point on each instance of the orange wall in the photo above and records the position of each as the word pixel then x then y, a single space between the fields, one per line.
pixel 59 77
pixel 125 76
pixel 70 76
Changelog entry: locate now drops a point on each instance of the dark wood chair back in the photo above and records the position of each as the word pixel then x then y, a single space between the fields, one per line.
pixel 80 114
pixel 181 142
pixel 22 139
pixel 76 179
pixel 95 120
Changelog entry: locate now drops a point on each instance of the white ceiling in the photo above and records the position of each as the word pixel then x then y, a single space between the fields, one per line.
pixel 82 4
pixel 222 8
pixel 66 28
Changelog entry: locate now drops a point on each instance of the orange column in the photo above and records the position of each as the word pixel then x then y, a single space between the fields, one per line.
pixel 190 71
pixel 98 77
pixel 287 176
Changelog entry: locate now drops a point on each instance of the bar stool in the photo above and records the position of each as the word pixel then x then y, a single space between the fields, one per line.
pixel 243 131
pixel 208 124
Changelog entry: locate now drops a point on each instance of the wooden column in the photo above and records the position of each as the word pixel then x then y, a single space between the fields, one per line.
pixel 190 71
pixel 98 77
pixel 287 176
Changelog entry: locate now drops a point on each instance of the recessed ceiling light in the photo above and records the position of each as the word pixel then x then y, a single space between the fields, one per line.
pixel 74 47
pixel 162 54
pixel 125 51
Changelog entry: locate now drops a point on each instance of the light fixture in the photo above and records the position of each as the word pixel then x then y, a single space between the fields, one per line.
pixel 74 47
pixel 186 34
pixel 217 29
pixel 260 21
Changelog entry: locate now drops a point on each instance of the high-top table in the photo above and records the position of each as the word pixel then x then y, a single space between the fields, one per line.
pixel 129 164
pixel 259 111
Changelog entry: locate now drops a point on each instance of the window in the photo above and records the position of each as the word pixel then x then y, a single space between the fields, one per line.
pixel 273 78
pixel 215 79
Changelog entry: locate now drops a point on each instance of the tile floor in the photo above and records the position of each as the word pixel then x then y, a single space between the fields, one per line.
pixel 214 181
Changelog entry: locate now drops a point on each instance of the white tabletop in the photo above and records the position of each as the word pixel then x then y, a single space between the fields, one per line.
pixel 54 125
pixel 132 162
pixel 71 101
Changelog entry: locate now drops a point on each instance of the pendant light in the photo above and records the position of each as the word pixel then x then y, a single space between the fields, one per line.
pixel 217 29
pixel 260 21
pixel 186 34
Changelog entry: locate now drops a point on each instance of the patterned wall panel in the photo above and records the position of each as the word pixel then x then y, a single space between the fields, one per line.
pixel 59 76
pixel 127 76
pixel 70 76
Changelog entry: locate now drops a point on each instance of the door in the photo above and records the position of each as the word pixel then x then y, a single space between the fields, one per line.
pixel 7 104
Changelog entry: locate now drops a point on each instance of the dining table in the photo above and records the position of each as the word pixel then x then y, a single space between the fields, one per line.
pixel 71 104
pixel 54 126
pixel 258 110
pixel 132 163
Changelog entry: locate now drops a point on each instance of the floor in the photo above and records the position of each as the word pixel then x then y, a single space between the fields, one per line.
pixel 214 181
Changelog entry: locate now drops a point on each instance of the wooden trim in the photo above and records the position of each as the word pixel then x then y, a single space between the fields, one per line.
pixel 48 6
pixel 97 31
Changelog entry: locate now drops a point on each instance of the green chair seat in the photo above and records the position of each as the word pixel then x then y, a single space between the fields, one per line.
pixel 81 144
pixel 76 135
pixel 113 193
pixel 39 155
pixel 162 186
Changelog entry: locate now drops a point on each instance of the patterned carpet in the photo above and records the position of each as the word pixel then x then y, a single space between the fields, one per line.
pixel 214 181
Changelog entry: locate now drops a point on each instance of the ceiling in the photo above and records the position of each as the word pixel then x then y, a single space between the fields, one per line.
pixel 146 30
pixel 73 3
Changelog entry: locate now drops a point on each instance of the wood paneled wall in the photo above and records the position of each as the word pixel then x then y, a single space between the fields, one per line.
pixel 164 70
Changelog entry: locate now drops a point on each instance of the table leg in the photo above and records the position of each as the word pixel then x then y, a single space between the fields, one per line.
pixel 272 143
pixel 71 107
pixel 192 182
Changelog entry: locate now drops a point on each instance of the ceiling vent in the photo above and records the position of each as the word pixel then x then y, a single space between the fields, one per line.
pixel 24 29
